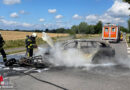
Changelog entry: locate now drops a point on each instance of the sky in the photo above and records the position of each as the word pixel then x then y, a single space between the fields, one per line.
pixel 52 14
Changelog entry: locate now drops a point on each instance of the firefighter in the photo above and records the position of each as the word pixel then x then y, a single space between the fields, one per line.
pixel 2 42
pixel 30 44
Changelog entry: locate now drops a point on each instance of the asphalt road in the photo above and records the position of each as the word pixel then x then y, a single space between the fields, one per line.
pixel 107 77
pixel 121 49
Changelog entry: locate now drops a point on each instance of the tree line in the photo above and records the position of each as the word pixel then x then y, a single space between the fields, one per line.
pixel 82 28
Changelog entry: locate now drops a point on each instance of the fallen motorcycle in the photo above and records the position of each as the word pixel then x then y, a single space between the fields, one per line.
pixel 35 61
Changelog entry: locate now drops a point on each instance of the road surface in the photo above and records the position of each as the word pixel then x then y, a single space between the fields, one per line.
pixel 107 77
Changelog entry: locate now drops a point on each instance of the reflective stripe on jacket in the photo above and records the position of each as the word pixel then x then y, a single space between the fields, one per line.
pixel 30 42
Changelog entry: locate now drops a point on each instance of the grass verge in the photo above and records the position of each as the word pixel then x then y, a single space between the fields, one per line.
pixel 13 52
pixel 127 39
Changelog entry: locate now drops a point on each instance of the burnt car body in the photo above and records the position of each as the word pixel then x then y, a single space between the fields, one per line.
pixel 98 50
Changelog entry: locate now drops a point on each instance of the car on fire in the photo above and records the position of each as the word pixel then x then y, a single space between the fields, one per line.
pixel 99 51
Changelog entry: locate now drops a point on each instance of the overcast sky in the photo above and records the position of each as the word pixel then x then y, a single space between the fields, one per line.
pixel 42 14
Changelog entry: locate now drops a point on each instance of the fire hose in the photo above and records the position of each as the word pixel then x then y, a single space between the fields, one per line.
pixel 42 80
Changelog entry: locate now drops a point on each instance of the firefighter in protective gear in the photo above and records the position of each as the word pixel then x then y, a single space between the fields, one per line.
pixel 2 42
pixel 30 44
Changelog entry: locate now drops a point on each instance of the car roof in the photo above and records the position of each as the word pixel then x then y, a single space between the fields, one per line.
pixel 86 40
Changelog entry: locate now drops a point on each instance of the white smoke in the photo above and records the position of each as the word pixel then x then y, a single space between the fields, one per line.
pixel 69 58
pixel 59 57
pixel 124 62
pixel 48 39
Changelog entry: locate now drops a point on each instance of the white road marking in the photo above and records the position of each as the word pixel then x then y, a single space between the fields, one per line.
pixel 126 44
pixel 128 48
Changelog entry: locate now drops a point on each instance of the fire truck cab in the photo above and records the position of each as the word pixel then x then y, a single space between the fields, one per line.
pixel 111 33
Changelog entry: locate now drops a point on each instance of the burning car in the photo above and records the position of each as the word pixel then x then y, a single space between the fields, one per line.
pixel 95 52
pixel 77 52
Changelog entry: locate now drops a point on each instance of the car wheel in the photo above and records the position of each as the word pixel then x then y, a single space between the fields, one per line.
pixel 100 59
